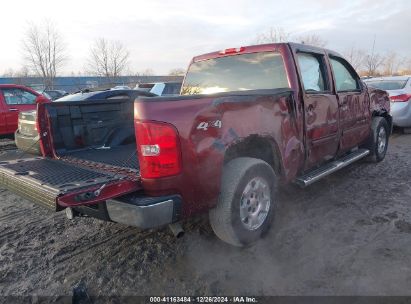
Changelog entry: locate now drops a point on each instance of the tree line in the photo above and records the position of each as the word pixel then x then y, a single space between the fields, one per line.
pixel 45 55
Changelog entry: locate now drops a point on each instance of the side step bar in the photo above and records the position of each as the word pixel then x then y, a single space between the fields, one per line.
pixel 327 169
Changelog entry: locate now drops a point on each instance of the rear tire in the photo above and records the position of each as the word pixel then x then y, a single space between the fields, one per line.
pixel 246 203
pixel 378 141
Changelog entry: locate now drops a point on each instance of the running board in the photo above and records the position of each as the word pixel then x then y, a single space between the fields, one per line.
pixel 327 169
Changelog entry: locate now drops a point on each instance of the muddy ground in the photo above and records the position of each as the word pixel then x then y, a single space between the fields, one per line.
pixel 349 234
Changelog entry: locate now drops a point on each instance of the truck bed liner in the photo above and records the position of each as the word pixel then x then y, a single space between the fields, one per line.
pixel 121 156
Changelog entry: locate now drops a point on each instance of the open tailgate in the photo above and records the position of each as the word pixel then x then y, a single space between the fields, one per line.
pixel 55 183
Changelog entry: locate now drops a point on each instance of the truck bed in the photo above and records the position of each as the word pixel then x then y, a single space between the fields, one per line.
pixel 94 156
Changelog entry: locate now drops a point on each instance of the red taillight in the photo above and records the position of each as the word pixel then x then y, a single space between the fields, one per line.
pixel 158 149
pixel 400 98
pixel 232 50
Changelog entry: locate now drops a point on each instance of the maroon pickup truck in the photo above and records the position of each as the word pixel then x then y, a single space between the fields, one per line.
pixel 248 119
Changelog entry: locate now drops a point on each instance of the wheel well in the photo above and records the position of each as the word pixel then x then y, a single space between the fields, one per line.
pixel 256 147
pixel 387 117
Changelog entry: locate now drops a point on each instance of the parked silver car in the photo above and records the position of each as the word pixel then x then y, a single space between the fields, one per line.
pixel 399 89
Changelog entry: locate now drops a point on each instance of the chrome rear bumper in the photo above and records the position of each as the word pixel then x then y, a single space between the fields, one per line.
pixel 144 212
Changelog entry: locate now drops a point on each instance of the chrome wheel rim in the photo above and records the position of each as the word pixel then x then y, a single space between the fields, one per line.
pixel 255 203
pixel 381 140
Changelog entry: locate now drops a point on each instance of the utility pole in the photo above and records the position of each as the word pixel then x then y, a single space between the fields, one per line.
pixel 371 69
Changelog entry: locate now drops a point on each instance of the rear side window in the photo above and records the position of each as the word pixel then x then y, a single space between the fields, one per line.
pixel 253 71
pixel 312 72
pixel 345 79
pixel 18 97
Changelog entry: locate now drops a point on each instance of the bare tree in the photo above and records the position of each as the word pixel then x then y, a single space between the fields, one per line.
pixel 177 72
pixel 278 34
pixel 356 57
pixel 312 39
pixel 146 72
pixel 44 51
pixel 406 66
pixel 8 73
pixel 23 72
pixel 392 63
pixel 273 35
pixel 372 63
pixel 108 58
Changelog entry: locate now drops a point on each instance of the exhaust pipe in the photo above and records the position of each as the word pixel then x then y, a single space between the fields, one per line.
pixel 70 213
pixel 177 230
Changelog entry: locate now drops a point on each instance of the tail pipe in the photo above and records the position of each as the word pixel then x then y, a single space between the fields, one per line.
pixel 177 230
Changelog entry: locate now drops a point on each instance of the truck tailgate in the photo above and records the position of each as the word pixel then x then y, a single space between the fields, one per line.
pixel 55 183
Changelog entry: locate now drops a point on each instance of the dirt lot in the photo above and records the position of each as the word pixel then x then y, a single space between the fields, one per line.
pixel 349 234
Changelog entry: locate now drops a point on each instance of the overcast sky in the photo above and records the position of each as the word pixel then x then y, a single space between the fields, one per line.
pixel 162 35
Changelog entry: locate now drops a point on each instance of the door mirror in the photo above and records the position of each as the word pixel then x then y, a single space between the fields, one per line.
pixel 41 99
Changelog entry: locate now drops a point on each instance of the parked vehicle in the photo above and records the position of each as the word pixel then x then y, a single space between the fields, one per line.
pixel 55 94
pixel 251 119
pixel 161 88
pixel 44 94
pixel 399 89
pixel 14 99
pixel 26 136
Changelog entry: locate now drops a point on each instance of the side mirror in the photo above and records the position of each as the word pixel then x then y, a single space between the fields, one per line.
pixel 41 99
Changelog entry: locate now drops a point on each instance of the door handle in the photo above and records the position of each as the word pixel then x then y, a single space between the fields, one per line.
pixel 13 109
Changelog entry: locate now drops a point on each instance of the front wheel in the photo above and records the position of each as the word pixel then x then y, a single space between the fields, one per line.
pixel 246 204
pixel 378 140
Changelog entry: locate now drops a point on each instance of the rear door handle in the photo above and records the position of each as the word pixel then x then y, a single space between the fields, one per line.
pixel 13 109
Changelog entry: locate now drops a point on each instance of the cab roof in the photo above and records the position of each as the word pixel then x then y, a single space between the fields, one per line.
pixel 264 48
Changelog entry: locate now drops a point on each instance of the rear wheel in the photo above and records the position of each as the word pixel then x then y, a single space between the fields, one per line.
pixel 246 203
pixel 378 140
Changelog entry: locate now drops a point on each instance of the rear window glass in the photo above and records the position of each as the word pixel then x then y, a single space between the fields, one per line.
pixel 388 84
pixel 253 71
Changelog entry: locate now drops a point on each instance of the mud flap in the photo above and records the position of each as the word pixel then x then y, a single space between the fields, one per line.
pixel 56 184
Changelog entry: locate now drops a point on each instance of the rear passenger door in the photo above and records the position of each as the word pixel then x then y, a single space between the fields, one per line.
pixel 320 105
pixel 354 104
